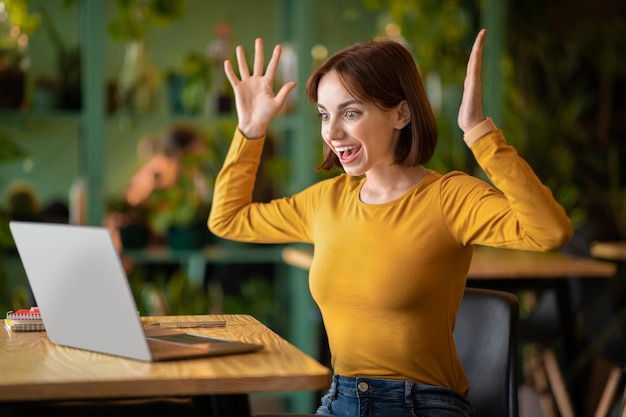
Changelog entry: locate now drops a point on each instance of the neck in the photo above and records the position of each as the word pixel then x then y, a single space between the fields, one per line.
pixel 393 183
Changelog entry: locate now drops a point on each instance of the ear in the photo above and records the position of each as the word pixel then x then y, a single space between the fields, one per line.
pixel 404 115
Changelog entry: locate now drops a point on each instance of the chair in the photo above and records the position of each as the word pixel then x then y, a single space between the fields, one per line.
pixel 602 319
pixel 486 341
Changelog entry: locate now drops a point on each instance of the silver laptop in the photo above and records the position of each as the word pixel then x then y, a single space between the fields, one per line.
pixel 85 300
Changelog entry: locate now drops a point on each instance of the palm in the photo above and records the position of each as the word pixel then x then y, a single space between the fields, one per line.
pixel 255 100
pixel 255 96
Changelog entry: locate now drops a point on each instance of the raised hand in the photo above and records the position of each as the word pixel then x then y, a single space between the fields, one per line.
pixel 255 100
pixel 471 110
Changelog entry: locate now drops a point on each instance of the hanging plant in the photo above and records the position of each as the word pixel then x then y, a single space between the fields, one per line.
pixel 135 17
pixel 16 25
pixel 139 80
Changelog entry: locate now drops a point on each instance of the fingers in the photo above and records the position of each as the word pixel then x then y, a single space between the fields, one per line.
pixel 244 72
pixel 471 110
pixel 476 56
pixel 480 40
pixel 272 67
pixel 281 96
pixel 258 65
pixel 259 57
pixel 230 73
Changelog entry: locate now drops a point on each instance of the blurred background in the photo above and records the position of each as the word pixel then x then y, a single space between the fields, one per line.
pixel 94 92
pixel 553 74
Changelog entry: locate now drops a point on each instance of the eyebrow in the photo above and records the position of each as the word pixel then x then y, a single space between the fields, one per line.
pixel 341 105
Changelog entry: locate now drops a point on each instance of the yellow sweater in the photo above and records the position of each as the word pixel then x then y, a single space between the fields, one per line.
pixel 388 278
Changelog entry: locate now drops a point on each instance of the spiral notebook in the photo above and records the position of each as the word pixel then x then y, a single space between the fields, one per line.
pixel 85 300
pixel 24 320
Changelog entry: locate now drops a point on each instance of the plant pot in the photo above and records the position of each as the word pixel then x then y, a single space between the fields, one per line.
pixel 44 98
pixel 134 236
pixel 175 84
pixel 70 98
pixel 186 237
pixel 12 86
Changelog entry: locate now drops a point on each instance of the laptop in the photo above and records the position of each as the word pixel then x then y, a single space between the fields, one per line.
pixel 85 300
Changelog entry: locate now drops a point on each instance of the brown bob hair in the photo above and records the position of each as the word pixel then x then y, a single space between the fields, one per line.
pixel 384 73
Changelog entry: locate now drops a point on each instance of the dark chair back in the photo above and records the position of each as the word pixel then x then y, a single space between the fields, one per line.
pixel 486 340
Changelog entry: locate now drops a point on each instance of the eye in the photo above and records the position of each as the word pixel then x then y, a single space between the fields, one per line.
pixel 324 116
pixel 352 114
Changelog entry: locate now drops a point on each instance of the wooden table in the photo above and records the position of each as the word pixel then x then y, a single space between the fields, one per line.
pixel 34 369
pixel 504 264
pixel 613 250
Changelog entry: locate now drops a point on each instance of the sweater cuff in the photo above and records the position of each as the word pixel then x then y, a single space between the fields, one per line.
pixel 478 131
pixel 238 131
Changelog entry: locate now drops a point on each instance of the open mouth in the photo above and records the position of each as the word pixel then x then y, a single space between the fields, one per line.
pixel 347 153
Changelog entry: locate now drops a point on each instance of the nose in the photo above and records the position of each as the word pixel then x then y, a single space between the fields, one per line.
pixel 332 130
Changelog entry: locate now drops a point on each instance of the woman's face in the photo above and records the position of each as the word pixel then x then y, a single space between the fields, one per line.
pixel 362 135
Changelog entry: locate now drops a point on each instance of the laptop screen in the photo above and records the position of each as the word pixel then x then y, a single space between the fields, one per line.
pixel 80 286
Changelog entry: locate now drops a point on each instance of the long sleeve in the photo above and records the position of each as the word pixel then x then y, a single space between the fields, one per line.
pixel 520 214
pixel 233 214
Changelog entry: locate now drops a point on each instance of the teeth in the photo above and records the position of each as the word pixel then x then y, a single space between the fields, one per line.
pixel 345 148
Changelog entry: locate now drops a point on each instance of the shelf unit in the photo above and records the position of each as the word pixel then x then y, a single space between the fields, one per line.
pixel 299 149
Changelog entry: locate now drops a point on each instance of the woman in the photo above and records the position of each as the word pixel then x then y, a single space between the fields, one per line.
pixel 393 240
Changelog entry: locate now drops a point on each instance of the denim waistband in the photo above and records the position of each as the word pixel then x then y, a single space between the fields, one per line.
pixel 363 387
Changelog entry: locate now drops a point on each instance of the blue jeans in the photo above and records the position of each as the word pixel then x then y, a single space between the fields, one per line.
pixel 371 397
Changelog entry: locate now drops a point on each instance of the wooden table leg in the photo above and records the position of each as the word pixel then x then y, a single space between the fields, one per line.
pixel 570 345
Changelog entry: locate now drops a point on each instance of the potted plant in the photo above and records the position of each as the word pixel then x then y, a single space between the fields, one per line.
pixel 129 222
pixel 138 79
pixel 16 25
pixel 180 212
pixel 175 185
pixel 61 89
pixel 188 84
pixel 198 84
